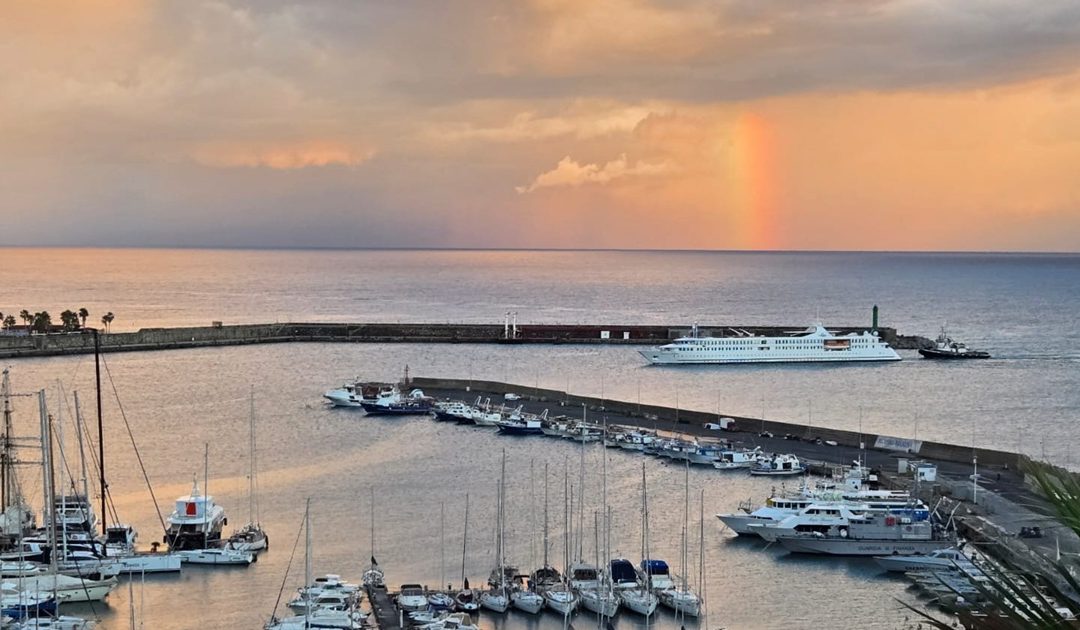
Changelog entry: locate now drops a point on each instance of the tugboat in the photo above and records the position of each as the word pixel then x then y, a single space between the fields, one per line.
pixel 946 348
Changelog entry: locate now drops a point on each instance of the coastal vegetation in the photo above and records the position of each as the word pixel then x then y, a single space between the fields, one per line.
pixel 1012 598
pixel 42 321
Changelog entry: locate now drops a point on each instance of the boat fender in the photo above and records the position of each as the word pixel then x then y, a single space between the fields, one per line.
pixel 843 533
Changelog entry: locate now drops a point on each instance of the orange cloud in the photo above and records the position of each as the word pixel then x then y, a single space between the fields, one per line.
pixel 281 156
pixel 569 172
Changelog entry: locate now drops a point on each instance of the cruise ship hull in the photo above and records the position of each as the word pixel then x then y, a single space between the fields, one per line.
pixel 655 358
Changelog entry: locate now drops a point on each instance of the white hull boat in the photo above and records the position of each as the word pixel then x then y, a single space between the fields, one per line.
pixel 527 601
pixel 941 559
pixel 639 601
pixel 811 345
pixel 62 622
pixel 495 601
pixel 224 557
pixel 561 601
pixel 70 589
pixel 682 602
pixel 601 602
pixel 149 563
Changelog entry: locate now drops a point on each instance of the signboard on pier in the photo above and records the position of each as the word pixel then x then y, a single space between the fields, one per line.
pixel 897 444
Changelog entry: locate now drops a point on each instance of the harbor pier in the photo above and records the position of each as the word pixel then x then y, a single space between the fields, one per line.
pixel 146 339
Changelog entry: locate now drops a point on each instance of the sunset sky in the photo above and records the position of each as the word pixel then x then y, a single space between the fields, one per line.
pixel 740 124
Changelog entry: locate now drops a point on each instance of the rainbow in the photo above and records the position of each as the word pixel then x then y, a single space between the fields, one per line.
pixel 753 183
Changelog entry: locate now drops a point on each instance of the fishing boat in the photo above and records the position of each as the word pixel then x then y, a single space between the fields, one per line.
pixel 454 411
pixel 251 536
pixel 815 344
pixel 393 402
pixel 734 459
pixel 520 426
pixel 780 465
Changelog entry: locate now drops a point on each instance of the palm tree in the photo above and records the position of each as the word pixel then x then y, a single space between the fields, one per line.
pixel 9 322
pixel 42 322
pixel 69 319
pixel 84 315
pixel 26 317
pixel 107 319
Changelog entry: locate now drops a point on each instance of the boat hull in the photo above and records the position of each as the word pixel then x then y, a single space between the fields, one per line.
pixel 149 563
pixel 856 547
pixel 642 603
pixel 527 601
pixel 953 356
pixel 495 602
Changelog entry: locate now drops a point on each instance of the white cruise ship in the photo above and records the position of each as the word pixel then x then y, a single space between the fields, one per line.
pixel 814 344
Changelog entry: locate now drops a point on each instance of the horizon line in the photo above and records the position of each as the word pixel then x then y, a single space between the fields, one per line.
pixel 329 248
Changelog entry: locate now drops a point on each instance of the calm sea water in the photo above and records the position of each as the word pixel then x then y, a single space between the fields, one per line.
pixel 1021 308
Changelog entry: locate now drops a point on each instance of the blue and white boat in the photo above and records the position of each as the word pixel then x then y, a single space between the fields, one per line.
pixel 393 402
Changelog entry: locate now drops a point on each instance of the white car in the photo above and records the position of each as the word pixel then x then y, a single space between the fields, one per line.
pixel 511 396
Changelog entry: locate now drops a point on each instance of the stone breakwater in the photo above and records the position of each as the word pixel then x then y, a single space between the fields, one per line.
pixel 14 346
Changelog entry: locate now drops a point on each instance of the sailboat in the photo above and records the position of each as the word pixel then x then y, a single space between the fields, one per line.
pixel 313 615
pixel 557 593
pixel 251 536
pixel 440 601
pixel 679 597
pixel 641 599
pixel 465 600
pixel 373 577
pixel 497 597
pixel 523 597
pixel 601 599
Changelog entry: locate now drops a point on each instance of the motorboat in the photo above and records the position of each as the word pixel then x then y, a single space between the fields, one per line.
pixel 635 440
pixel 781 465
pixel 466 601
pixel 453 621
pixel 196 522
pixel 216 556
pixel 412 598
pixel 353 394
pixel 440 601
pixel 325 599
pixel 320 618
pixel 453 411
pixel 816 517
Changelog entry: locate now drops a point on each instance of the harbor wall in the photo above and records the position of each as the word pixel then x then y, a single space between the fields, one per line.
pixel 81 342
pixel 667 418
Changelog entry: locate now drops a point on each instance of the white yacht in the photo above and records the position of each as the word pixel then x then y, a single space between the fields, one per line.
pixel 937 560
pixel 813 344
pixel 813 518
pixel 777 508
pixel 412 598
pixel 196 522
pixel 216 556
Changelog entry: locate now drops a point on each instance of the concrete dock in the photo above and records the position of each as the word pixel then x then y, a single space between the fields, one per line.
pixel 39 345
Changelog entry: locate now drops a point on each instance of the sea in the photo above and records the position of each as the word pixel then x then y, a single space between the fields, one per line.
pixel 412 477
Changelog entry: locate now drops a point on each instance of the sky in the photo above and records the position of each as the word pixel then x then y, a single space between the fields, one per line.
pixel 682 124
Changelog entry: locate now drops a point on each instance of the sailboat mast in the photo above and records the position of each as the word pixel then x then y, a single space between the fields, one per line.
pixel 685 568
pixel 251 461
pixel 701 560
pixel 206 488
pixel 442 543
pixel 372 525
pixel 465 540
pixel 6 476
pixel 581 489
pixel 307 563
pixel 47 471
pixel 82 452
pixel 545 515
pixel 100 430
